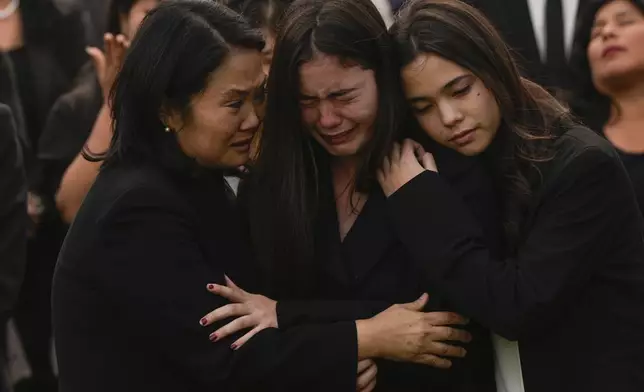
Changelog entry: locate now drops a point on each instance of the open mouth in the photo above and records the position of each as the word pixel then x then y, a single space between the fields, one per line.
pixel 242 143
pixel 338 138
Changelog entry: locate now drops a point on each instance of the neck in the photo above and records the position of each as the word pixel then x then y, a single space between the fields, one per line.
pixel 628 105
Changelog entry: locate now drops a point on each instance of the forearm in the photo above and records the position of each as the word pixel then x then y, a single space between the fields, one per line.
pixel 81 174
pixel 293 313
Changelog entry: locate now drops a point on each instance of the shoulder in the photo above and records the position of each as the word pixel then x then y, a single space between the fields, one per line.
pixel 582 154
pixel 134 190
pixel 581 145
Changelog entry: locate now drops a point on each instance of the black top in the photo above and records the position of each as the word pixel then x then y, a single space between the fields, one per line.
pixel 34 118
pixel 634 164
pixel 13 213
pixel 579 271
pixel 130 289
pixel 374 266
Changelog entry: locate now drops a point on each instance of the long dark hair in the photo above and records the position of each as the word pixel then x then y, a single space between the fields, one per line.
pixel 260 13
pixel 179 45
pixel 591 105
pixel 531 117
pixel 286 182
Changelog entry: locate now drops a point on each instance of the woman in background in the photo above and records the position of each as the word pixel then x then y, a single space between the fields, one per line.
pixel 80 121
pixel 609 61
pixel 45 41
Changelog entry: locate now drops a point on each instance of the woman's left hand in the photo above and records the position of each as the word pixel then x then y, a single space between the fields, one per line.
pixel 251 311
pixel 405 162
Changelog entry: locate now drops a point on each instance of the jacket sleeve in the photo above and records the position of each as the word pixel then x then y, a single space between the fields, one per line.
pixel 516 297
pixel 13 212
pixel 155 270
pixel 292 313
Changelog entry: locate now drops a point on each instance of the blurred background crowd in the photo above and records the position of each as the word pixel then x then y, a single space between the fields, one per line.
pixel 58 59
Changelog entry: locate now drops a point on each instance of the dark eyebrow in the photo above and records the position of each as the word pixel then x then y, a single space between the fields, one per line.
pixel 334 94
pixel 235 93
pixel 446 87
pixel 342 92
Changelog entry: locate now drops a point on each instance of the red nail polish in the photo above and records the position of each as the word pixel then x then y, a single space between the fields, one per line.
pixel 233 346
pixel 213 337
pixel 211 286
pixel 203 321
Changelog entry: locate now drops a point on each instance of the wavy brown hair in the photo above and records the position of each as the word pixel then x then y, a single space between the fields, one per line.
pixel 531 117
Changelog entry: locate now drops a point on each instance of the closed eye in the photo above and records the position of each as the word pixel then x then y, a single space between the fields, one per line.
pixel 421 109
pixel 463 91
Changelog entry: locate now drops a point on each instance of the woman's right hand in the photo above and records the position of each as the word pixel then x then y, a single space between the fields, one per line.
pixel 405 333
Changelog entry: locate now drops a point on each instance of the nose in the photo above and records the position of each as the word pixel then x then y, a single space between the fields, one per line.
pixel 328 118
pixel 608 31
pixel 251 122
pixel 450 114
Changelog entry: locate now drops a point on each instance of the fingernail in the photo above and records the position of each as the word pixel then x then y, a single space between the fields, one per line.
pixel 211 287
pixel 233 346
pixel 213 337
pixel 203 321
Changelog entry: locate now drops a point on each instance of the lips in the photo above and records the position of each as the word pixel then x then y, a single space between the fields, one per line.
pixel 462 137
pixel 338 138
pixel 242 143
pixel 610 50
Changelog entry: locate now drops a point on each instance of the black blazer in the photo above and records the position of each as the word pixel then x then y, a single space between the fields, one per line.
pixel 130 288
pixel 512 19
pixel 579 271
pixel 372 269
pixel 13 213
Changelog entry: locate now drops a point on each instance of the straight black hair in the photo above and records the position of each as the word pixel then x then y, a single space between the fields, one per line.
pixel 179 45
pixel 261 14
pixel 286 183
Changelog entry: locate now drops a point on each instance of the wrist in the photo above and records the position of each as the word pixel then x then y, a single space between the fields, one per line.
pixel 368 346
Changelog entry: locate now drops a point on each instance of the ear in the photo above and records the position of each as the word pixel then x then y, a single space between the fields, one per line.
pixel 172 119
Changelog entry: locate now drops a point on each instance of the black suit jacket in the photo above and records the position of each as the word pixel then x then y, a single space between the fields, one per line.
pixel 13 213
pixel 578 272
pixel 130 288
pixel 512 19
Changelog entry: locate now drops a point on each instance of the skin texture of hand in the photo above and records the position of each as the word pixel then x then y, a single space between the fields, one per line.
pixel 367 371
pixel 405 162
pixel 250 311
pixel 108 63
pixel 405 333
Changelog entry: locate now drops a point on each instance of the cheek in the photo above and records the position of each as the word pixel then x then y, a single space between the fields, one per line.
pixel 432 126
pixel 633 41
pixel 309 115
pixel 593 53
pixel 361 112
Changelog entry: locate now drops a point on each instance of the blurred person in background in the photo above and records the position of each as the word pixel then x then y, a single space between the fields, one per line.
pixel 44 41
pixel 13 228
pixel 80 120
pixel 541 34
pixel 609 63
